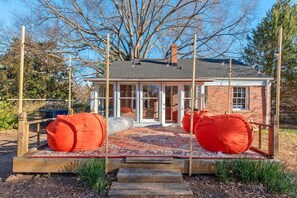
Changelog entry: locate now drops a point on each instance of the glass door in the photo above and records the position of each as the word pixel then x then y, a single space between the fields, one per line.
pixel 150 102
pixel 171 104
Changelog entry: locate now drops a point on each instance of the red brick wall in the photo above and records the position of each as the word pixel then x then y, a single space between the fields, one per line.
pixel 217 102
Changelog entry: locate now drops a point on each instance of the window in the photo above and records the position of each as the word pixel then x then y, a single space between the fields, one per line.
pixel 150 109
pixel 128 100
pixel 240 98
pixel 101 99
pixel 187 99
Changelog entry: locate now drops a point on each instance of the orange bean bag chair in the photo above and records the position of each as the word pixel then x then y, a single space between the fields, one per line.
pixel 186 121
pixel 126 110
pixel 230 133
pixel 78 132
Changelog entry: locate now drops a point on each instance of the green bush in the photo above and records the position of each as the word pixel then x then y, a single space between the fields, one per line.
pixel 8 116
pixel 222 171
pixel 92 174
pixel 271 174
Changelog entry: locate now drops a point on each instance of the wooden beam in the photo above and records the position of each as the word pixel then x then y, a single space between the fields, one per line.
pixel 277 99
pixel 192 106
pixel 229 87
pixel 107 104
pixel 23 135
pixel 21 80
pixel 70 111
pixel 273 139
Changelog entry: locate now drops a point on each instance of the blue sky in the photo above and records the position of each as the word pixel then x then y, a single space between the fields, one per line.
pixel 9 7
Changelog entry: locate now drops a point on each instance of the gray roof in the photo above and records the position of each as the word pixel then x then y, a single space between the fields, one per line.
pixel 160 69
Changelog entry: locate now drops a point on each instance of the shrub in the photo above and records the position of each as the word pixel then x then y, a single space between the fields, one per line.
pixel 271 174
pixel 222 171
pixel 92 174
pixel 8 116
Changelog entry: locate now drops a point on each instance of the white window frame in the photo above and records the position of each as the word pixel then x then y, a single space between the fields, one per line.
pixel 119 98
pixel 97 97
pixel 141 101
pixel 246 98
pixel 197 98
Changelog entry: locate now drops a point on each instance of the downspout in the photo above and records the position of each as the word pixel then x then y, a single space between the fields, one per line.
pixel 268 101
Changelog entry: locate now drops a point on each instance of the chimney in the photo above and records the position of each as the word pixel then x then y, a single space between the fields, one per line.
pixel 173 59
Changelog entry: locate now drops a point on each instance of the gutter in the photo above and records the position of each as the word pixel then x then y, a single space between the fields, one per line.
pixel 147 80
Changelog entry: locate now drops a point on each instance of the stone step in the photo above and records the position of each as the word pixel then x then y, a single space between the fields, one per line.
pixel 145 175
pixel 147 165
pixel 146 160
pixel 119 189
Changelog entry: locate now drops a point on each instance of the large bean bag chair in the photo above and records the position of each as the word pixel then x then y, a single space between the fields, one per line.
pixel 186 121
pixel 230 133
pixel 125 110
pixel 78 132
pixel 118 124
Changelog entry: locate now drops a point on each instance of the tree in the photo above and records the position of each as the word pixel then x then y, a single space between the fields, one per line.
pixel 142 28
pixel 262 49
pixel 44 75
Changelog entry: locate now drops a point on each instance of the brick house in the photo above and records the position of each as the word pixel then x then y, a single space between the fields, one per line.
pixel 158 91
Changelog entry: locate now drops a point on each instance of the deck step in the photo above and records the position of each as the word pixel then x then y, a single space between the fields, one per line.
pixel 145 175
pixel 146 160
pixel 119 189
pixel 146 165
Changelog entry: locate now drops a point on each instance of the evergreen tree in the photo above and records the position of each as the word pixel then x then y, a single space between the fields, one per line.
pixel 262 48
pixel 45 76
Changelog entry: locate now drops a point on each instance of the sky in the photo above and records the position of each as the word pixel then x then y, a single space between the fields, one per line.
pixel 9 7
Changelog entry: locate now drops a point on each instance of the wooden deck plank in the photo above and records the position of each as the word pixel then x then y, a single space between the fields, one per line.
pixel 148 186
pixel 153 192
pixel 147 165
pixel 149 160
pixel 57 165
pixel 148 175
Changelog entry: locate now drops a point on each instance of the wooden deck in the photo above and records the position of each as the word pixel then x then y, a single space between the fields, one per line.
pixel 137 148
pixel 68 165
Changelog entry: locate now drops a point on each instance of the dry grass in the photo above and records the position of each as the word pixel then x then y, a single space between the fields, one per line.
pixel 287 147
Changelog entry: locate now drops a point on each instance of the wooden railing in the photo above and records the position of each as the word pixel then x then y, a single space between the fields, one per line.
pixel 272 144
pixel 23 133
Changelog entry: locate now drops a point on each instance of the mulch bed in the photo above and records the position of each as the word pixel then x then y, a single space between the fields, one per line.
pixel 147 142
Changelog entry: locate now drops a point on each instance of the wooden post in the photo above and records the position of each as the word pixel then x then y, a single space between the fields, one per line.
pixel 21 80
pixel 69 87
pixel 229 86
pixel 23 135
pixel 260 137
pixel 192 106
pixel 273 139
pixel 107 104
pixel 278 78
pixel 38 134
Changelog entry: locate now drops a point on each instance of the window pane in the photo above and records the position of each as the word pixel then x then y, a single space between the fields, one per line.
pixel 150 90
pixel 128 108
pixel 187 90
pixel 239 98
pixel 187 104
pixel 127 90
pixel 102 90
pixel 150 109
pixel 101 108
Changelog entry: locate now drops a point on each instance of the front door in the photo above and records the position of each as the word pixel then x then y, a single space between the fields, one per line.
pixel 171 104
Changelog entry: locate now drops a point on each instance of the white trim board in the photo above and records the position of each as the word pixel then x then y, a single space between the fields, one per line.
pixel 237 83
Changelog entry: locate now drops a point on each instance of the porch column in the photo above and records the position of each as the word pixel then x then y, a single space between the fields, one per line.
pixel 268 103
pixel 202 96
pixel 116 100
pixel 138 101
pixel 162 104
pixel 94 98
pixel 181 103
pixel 118 105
